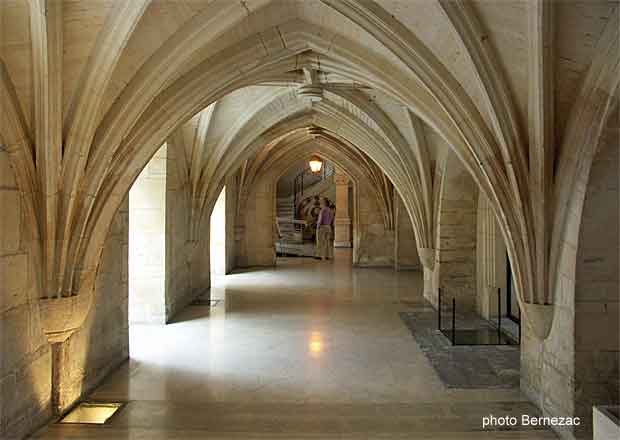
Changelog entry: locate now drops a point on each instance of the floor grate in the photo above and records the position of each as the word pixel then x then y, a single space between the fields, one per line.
pixel 205 302
pixel 92 413
pixel 480 336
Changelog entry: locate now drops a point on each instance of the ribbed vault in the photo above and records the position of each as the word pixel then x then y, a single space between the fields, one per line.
pixel 277 157
pixel 388 83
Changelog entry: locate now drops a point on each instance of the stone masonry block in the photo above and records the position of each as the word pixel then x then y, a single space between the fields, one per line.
pixel 14 340
pixel 10 221
pixel 13 284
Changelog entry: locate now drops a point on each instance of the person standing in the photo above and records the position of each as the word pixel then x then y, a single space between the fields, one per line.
pixel 332 237
pixel 324 225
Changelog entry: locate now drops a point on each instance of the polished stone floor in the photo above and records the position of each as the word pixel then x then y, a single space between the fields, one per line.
pixel 307 350
pixel 464 366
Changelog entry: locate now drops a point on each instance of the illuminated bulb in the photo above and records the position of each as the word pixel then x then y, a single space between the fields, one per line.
pixel 316 346
pixel 316 343
pixel 316 164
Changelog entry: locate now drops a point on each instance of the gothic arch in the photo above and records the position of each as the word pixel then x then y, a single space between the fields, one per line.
pixel 301 146
pixel 487 171
pixel 104 153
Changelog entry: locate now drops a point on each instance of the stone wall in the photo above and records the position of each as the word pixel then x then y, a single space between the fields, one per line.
pixel 147 243
pixel 372 241
pixel 26 360
pixel 547 367
pixel 597 340
pixel 217 234
pixel 405 249
pixel 232 192
pixel 257 235
pixel 180 286
pixel 169 267
pixel 102 343
pixel 491 273
pixel 577 364
pixel 455 266
pixel 342 220
pixel 200 268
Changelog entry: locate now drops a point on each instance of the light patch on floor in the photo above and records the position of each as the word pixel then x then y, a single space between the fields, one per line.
pixel 91 413
pixel 306 350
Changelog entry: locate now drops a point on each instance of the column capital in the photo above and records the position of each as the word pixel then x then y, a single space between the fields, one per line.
pixel 427 257
pixel 61 317
pixel 539 317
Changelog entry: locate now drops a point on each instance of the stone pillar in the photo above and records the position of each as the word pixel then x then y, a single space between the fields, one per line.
pixel 342 222
pixel 491 262
pixel 218 236
pixel 147 243
pixel 405 246
pixel 456 246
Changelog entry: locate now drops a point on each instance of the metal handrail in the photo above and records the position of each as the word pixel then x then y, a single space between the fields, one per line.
pixel 298 182
pixel 453 329
pixel 299 225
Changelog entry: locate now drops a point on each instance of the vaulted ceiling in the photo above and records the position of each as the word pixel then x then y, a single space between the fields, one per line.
pixel 517 89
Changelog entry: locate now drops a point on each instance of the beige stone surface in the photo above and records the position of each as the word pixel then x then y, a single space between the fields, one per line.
pixel 282 356
pixel 519 92
pixel 342 220
pixel 491 265
pixel 83 364
pixel 456 264
pixel 597 304
pixel 406 252
pixel 148 274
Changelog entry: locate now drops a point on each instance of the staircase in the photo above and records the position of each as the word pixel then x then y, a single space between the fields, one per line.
pixel 307 180
pixel 288 230
pixel 315 189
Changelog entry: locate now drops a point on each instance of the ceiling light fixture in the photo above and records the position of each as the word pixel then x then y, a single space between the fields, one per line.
pixel 316 164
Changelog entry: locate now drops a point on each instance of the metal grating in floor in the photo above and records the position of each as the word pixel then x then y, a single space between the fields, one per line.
pixel 479 336
pixel 463 366
pixel 205 302
pixel 92 413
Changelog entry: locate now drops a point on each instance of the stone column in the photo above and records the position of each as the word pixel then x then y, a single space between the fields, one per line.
pixel 405 246
pixel 491 264
pixel 147 243
pixel 342 222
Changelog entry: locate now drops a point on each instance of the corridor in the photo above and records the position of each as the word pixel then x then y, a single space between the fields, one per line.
pixel 308 349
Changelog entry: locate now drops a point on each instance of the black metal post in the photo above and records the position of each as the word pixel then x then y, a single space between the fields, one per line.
pixel 439 309
pixel 499 315
pixel 453 321
pixel 519 326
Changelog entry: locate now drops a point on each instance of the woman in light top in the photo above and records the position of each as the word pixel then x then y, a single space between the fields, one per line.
pixel 324 225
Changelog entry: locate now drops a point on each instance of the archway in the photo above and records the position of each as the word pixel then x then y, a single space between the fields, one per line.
pixel 373 195
pixel 298 194
pixel 78 138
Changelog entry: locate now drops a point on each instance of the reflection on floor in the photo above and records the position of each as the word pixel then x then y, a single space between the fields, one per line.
pixel 309 349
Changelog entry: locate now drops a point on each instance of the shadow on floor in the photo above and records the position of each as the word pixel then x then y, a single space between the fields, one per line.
pixel 463 366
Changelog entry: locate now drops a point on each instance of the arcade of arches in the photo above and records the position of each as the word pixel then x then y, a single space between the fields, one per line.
pixel 474 147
